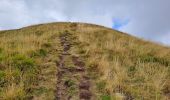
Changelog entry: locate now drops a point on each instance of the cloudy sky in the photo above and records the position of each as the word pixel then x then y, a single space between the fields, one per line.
pixel 149 19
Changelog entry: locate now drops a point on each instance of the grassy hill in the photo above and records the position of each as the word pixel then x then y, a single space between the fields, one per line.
pixel 81 61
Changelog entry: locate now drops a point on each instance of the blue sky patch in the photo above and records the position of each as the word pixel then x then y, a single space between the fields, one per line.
pixel 119 23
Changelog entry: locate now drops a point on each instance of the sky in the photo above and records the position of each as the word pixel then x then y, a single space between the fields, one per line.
pixel 148 19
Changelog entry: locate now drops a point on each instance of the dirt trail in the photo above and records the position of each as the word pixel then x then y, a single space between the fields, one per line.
pixel 73 82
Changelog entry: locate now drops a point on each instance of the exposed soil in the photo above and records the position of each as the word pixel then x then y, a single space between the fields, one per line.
pixel 73 82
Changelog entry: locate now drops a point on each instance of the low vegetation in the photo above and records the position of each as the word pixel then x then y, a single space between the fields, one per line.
pixel 128 66
pixel 121 66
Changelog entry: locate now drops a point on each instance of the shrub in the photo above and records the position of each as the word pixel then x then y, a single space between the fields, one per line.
pixel 42 52
pixel 39 53
pixel 23 63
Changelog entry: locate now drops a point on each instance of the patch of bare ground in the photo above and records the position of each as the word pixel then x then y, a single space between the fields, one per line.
pixel 73 83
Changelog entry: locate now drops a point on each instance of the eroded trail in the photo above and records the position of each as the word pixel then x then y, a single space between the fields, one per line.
pixel 72 81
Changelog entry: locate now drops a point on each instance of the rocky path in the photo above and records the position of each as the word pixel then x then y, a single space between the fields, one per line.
pixel 72 81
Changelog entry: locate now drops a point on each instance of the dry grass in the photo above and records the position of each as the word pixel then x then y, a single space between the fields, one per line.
pixel 128 65
pixel 23 59
pixel 121 65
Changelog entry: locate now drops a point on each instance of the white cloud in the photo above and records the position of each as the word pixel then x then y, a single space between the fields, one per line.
pixel 148 19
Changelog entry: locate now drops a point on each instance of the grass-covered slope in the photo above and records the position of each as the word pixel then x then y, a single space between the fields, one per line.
pixel 119 66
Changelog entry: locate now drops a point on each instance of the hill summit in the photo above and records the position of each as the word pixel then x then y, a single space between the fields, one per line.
pixel 78 61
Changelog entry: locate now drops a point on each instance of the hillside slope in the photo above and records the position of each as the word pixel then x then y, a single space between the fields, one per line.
pixel 81 61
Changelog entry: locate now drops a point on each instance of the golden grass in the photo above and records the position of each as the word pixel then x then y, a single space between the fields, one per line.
pixel 23 47
pixel 127 65
pixel 124 64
